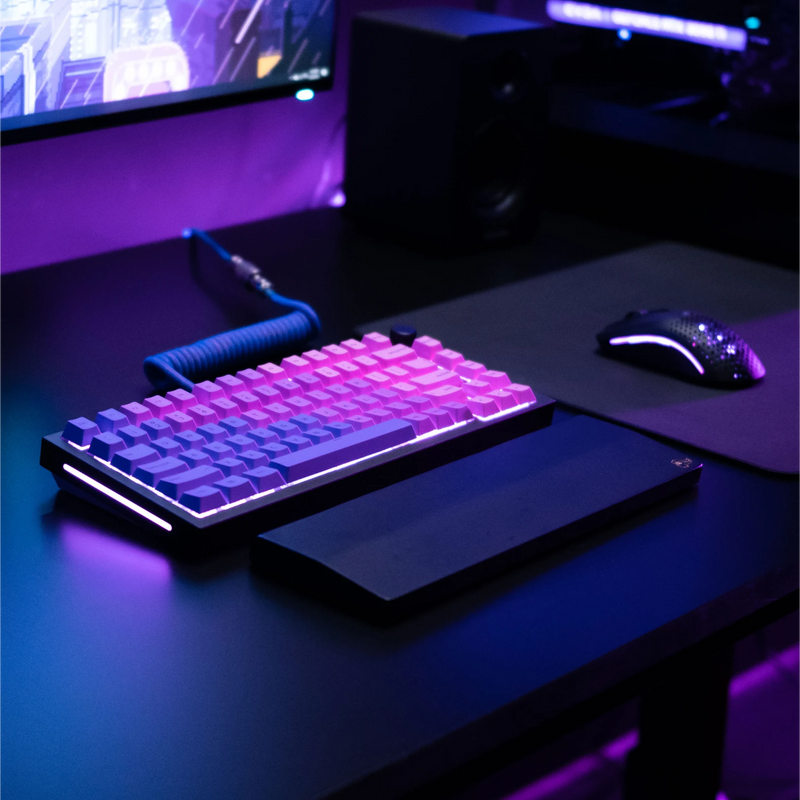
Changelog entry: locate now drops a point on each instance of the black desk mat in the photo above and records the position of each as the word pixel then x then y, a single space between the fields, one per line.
pixel 542 331
pixel 395 550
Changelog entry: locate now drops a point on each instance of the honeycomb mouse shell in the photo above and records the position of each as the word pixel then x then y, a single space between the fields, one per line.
pixel 685 344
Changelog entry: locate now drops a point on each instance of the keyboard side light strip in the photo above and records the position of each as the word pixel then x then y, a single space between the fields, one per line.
pixel 117 497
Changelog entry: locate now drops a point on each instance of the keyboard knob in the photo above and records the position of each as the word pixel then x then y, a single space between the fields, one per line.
pixel 403 334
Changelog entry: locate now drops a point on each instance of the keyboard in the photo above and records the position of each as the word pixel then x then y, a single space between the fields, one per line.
pixel 245 453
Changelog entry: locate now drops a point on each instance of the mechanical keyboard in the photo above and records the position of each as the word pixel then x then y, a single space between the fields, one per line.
pixel 248 452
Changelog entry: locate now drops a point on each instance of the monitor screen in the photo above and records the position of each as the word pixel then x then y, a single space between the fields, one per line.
pixel 70 65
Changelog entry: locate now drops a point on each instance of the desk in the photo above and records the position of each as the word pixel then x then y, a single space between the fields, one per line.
pixel 127 675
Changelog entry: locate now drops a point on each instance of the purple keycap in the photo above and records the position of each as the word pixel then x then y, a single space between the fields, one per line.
pixel 203 498
pixel 251 378
pixel 128 460
pixel 104 445
pixel 319 398
pixel 132 435
pixel 175 485
pixel 246 401
pixel 379 414
pixel 80 431
pixel 284 428
pixel 328 455
pixel 399 409
pixel 278 411
pixel 366 401
pixel 239 443
pixel 346 408
pixel 419 403
pixel 339 428
pixel 275 450
pixel 213 432
pixel 166 447
pixel 235 488
pixel 206 391
pixel 358 386
pixel 159 406
pixel 339 392
pixel 136 413
pixel 441 417
pixel 360 421
pixel 189 440
pixel 218 450
pixel 230 385
pixel 254 458
pixel 267 394
pixel 235 425
pixel 307 381
pixel 179 421
pixel 195 458
pixel 288 388
pixel 182 399
pixel 156 428
pixel 263 478
pixel 111 420
pixel 458 411
pixel 295 443
pixel 153 472
pixel 256 417
pixel 299 405
pixel 202 415
pixel 231 466
pixel 386 396
pixel 318 435
pixel 304 421
pixel 262 436
pixel 225 407
pixel 422 423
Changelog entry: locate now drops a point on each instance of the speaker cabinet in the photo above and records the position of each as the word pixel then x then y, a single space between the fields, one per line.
pixel 447 113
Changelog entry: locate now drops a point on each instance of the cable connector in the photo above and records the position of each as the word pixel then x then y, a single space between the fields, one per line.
pixel 248 273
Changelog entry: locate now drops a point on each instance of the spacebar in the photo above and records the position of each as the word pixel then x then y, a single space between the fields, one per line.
pixel 340 451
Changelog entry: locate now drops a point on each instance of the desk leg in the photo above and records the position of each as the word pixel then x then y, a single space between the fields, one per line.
pixel 682 733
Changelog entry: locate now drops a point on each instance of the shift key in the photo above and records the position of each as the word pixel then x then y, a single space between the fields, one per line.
pixel 175 485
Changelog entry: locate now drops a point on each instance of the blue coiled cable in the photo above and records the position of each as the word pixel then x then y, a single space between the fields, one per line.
pixel 253 343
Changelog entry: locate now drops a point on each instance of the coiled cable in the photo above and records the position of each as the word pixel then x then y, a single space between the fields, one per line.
pixel 253 343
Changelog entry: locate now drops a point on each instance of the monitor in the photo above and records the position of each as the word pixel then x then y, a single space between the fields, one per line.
pixel 72 65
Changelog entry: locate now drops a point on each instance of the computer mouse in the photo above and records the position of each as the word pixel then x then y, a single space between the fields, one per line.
pixel 685 344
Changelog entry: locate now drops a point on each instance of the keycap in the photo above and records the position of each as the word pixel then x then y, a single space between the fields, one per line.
pixel 156 428
pixel 495 379
pixel 343 450
pixel 203 498
pixel 80 431
pixel 136 413
pixel 318 435
pixel 422 423
pixel 230 385
pixel 104 445
pixel 132 435
pixel 448 359
pixel 295 364
pixel 213 432
pixel 251 378
pixel 127 460
pixel 159 406
pixel 376 341
pixel 195 458
pixel 272 372
pixel 166 447
pixel 179 421
pixel 426 346
pixel 175 485
pixel 230 466
pixel 206 391
pixel 274 450
pixel 262 436
pixel 202 415
pixel 482 406
pixel 219 450
pixel 234 488
pixel 154 471
pixel 419 366
pixel 234 425
pixel 253 458
pixel 181 399
pixel 111 420
pixel 469 369
pixel 190 440
pixel 264 478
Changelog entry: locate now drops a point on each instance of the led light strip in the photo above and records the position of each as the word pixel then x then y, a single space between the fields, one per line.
pixel 143 512
pixel 689 30
pixel 660 340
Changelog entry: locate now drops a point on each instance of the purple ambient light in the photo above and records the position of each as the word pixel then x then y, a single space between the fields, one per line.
pixel 143 512
pixel 689 30
pixel 660 340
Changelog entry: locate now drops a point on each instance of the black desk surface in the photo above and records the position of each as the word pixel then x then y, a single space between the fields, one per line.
pixel 126 675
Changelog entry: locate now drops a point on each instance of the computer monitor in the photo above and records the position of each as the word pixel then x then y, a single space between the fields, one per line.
pixel 72 65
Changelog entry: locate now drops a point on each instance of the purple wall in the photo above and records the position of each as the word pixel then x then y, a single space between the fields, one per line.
pixel 93 192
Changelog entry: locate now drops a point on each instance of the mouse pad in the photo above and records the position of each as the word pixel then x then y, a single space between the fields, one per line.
pixel 542 332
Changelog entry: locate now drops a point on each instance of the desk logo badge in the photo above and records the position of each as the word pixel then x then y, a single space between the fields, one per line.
pixel 683 463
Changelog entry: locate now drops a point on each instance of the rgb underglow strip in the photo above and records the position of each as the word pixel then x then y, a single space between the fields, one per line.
pixel 688 30
pixel 660 340
pixel 137 509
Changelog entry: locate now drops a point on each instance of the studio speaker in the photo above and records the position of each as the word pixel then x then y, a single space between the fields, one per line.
pixel 446 123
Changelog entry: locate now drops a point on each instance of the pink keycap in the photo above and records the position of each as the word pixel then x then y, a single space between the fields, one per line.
pixel 366 363
pixel 397 373
pixel 376 341
pixel 355 348
pixel 257 418
pixel 136 412
pixel 230 385
pixel 267 394
pixel 503 398
pixel 445 394
pixel 495 379
pixel 425 346
pixel 438 378
pixel 317 359
pixel 393 355
pixel 358 386
pixel 327 375
pixel 522 393
pixel 346 408
pixel 474 388
pixel 441 418
pixel 399 409
pixel 359 421
pixel 295 364
pixel 378 380
pixel 288 388
pixel 180 422
pixel 419 366
pixel 251 378
pixel 447 358
pixel 327 415
pixel 422 423
pixel 482 406
pixel 347 369
pixel 339 391
pixel 278 411
pixel 225 408
pixel 160 406
pixel 458 411
pixel 385 395
pixel 307 381
pixel 336 352
pixel 181 399
pixel 419 403
pixel 366 401
pixel 206 391
pixel 299 404
pixel 272 372
pixel 319 398
pixel 202 414
pixel 380 414
pixel 469 369
pixel 246 401
pixel 404 389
